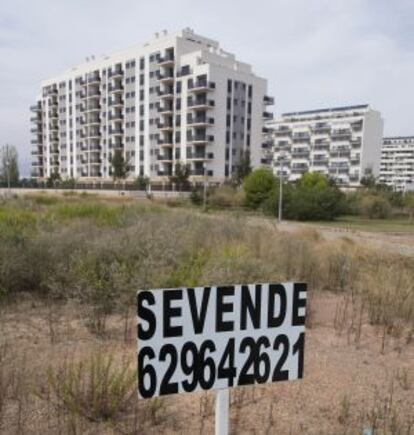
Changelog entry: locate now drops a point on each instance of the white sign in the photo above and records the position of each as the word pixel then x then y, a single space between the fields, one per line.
pixel 218 337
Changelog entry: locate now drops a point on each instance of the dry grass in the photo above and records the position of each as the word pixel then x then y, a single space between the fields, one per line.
pixel 69 271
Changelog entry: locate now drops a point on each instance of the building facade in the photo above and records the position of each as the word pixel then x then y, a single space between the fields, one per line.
pixel 397 162
pixel 339 142
pixel 177 98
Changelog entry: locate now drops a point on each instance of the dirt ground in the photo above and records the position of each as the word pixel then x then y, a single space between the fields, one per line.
pixel 349 383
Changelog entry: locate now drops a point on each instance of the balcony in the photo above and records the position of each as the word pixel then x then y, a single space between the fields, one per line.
pixel 168 59
pixel 116 130
pixel 116 116
pixel 200 104
pixel 267 116
pixel 194 121
pixel 200 138
pixel 93 93
pixel 115 88
pixel 321 129
pixel 267 144
pixel 167 126
pixel 94 79
pixel 341 134
pixel 166 109
pixel 36 108
pixel 166 78
pixel 166 157
pixel 283 131
pixel 357 126
pixel 342 154
pixel 92 107
pixel 320 161
pixel 356 142
pixel 300 154
pixel 115 102
pixel 301 137
pixel 269 101
pixel 201 86
pixel 117 72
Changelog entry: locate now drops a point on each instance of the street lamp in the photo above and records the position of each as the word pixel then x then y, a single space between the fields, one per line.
pixel 204 186
pixel 280 205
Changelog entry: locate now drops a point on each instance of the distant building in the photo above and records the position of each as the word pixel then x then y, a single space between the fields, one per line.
pixel 397 162
pixel 177 98
pixel 340 142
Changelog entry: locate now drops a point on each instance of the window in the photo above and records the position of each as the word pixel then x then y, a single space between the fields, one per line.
pixel 142 63
pixel 229 86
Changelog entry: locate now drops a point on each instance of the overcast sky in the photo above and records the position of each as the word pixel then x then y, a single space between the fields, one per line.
pixel 314 53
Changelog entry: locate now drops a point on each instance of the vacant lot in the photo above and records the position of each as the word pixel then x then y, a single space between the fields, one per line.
pixel 69 271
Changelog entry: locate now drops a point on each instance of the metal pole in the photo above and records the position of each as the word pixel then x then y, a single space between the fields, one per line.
pixel 222 412
pixel 280 191
pixel 204 189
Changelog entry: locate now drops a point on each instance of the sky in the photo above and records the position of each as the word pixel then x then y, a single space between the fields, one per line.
pixel 314 53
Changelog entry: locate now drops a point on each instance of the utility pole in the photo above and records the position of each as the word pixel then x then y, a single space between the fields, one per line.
pixel 204 187
pixel 281 159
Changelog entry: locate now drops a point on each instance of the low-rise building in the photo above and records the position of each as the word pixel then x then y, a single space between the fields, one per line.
pixel 397 162
pixel 340 142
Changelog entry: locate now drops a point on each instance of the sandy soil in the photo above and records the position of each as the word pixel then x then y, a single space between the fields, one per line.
pixel 346 379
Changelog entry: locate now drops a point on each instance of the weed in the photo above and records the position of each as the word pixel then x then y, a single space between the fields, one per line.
pixel 98 388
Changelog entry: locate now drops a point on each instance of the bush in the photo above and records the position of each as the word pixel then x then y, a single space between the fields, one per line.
pixel 258 187
pixel 98 389
pixel 375 207
pixel 225 196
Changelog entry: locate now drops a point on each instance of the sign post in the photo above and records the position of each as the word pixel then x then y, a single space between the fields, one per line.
pixel 222 412
pixel 215 338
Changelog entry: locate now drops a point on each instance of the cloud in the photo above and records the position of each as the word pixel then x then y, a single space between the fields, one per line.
pixel 314 53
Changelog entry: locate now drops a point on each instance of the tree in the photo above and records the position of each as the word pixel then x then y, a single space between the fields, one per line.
pixel 9 166
pixel 409 204
pixel 142 182
pixel 368 180
pixel 259 186
pixel 315 198
pixel 243 169
pixel 54 179
pixel 120 166
pixel 181 175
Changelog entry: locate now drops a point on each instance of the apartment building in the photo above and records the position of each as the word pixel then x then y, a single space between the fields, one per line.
pixel 397 162
pixel 177 98
pixel 340 142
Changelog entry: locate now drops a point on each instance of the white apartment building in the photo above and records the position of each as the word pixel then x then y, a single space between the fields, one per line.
pixel 397 162
pixel 179 97
pixel 340 142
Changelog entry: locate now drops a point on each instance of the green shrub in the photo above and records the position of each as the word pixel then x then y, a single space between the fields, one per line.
pixel 258 187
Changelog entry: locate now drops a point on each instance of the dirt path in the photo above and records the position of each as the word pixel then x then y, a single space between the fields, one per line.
pixel 391 242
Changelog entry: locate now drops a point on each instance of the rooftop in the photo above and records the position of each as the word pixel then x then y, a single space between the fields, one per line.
pixel 328 110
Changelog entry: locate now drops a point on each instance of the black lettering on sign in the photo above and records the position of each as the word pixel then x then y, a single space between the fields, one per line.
pixel 298 302
pixel 169 312
pixel 223 307
pixel 199 318
pixel 146 314
pixel 247 305
pixel 279 290
pixel 146 370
